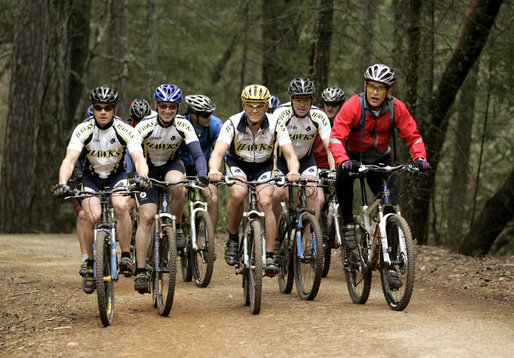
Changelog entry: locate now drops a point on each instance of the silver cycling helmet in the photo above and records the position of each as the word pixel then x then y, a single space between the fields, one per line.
pixel 333 94
pixel 301 86
pixel 199 103
pixel 380 73
pixel 104 94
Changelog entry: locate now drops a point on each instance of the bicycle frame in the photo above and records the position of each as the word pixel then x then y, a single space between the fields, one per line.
pixel 108 224
pixel 195 203
pixel 380 201
pixel 162 213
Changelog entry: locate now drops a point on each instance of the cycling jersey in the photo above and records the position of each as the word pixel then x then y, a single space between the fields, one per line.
pixel 320 154
pixel 247 147
pixel 376 134
pixel 206 136
pixel 303 131
pixel 161 143
pixel 105 147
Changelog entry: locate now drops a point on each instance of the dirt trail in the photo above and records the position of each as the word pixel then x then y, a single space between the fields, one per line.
pixel 43 312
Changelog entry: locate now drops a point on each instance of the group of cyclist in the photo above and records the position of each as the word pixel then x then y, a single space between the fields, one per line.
pixel 265 139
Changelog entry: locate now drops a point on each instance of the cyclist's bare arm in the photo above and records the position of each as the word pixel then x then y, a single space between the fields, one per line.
pixel 215 161
pixel 330 157
pixel 139 161
pixel 292 162
pixel 66 169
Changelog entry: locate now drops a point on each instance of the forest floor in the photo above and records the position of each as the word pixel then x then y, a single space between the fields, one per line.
pixel 461 307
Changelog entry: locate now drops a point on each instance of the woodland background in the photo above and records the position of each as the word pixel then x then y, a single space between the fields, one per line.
pixel 453 60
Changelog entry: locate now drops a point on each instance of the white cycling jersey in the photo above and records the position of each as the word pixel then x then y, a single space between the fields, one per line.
pixel 160 143
pixel 104 148
pixel 247 147
pixel 303 131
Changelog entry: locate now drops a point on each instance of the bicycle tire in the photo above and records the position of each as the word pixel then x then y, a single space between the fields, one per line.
pixel 402 262
pixel 150 263
pixel 185 254
pixel 255 240
pixel 135 223
pixel 284 255
pixel 104 281
pixel 328 235
pixel 326 259
pixel 356 266
pixel 308 269
pixel 202 261
pixel 166 277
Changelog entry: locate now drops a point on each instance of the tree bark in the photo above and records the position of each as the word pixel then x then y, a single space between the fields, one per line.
pixel 323 37
pixel 37 117
pixel 497 212
pixel 118 46
pixel 472 36
pixel 152 36
pixel 457 198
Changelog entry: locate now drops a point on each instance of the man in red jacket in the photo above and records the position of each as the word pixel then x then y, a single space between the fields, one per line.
pixel 356 138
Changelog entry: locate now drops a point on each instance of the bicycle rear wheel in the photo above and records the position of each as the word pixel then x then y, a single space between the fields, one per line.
pixel 284 255
pixel 308 265
pixel 398 293
pixel 356 266
pixel 185 254
pixel 104 281
pixel 164 283
pixel 202 260
pixel 254 278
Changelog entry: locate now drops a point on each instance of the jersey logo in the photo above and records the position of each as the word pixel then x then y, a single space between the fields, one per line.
pixel 308 128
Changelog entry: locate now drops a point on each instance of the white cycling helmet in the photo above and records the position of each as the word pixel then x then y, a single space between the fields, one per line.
pixel 380 73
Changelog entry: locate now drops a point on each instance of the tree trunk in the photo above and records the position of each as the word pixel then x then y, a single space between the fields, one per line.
pixel 118 45
pixel 457 198
pixel 37 120
pixel 472 36
pixel 151 56
pixel 323 37
pixel 280 41
pixel 497 212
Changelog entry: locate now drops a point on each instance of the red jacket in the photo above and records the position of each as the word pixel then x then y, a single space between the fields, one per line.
pixel 376 134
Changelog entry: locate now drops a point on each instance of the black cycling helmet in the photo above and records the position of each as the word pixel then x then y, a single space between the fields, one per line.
pixel 333 94
pixel 301 86
pixel 104 94
pixel 199 103
pixel 139 108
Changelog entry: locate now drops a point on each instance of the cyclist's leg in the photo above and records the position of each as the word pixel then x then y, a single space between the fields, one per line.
pixel 147 212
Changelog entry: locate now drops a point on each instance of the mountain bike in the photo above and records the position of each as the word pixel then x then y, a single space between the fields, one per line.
pixel 104 248
pixel 299 245
pixel 384 242
pixel 161 261
pixel 197 258
pixel 329 219
pixel 251 257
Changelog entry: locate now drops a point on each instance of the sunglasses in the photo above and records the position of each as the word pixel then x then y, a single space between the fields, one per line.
pixel 332 104
pixel 107 107
pixel 171 106
pixel 204 114
pixel 380 90
pixel 251 106
pixel 302 100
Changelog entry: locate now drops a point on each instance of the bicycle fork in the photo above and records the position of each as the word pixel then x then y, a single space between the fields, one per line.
pixel 299 229
pixel 383 239
pixel 114 257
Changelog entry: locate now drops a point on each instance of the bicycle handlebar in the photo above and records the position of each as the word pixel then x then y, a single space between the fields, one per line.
pixel 128 189
pixel 362 169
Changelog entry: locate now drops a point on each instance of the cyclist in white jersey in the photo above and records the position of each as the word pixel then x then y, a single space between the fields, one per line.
pixel 248 139
pixel 163 133
pixel 304 122
pixel 105 139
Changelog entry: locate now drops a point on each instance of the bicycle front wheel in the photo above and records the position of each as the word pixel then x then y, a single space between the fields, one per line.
pixel 308 265
pixel 166 275
pixel 356 266
pixel 284 256
pixel 398 277
pixel 253 281
pixel 104 280
pixel 185 254
pixel 202 259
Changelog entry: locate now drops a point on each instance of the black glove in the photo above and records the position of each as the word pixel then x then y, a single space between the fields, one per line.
pixel 58 190
pixel 347 166
pixel 203 180
pixel 144 183
pixel 422 165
